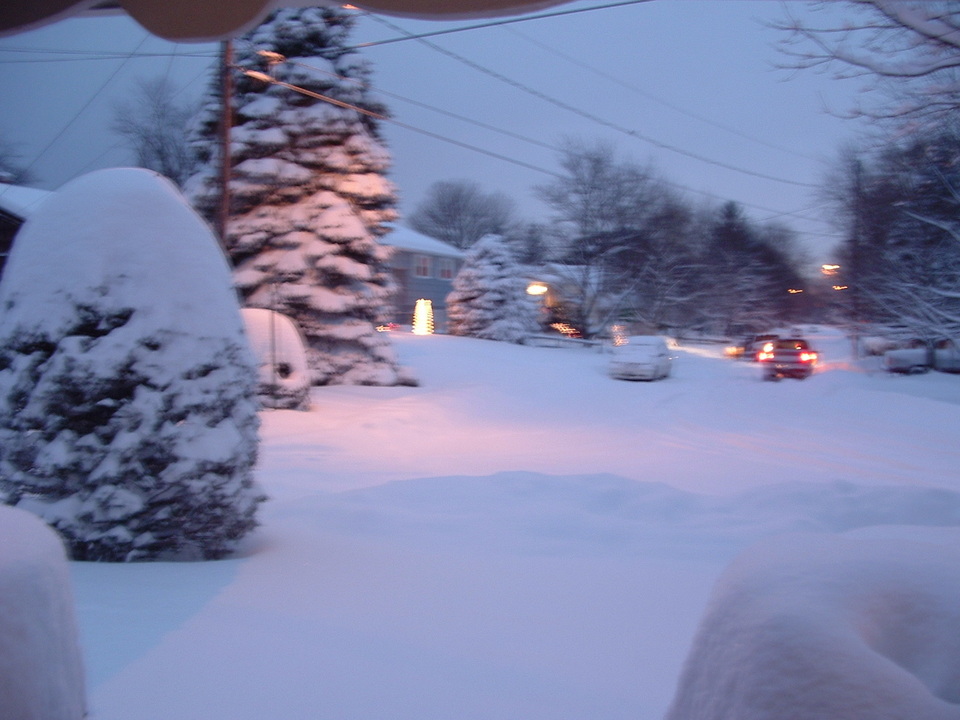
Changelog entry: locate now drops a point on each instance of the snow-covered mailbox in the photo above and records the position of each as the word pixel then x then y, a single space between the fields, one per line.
pixel 828 626
pixel 41 673
pixel 280 351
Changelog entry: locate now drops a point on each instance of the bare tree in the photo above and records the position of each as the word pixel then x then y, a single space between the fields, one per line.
pixel 910 49
pixel 458 212
pixel 154 124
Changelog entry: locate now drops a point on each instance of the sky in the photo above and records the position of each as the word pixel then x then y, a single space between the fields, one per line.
pixel 689 86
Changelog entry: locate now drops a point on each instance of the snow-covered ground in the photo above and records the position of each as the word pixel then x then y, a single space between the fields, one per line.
pixel 519 538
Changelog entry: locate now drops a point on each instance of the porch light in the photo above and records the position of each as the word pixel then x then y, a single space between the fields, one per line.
pixel 537 288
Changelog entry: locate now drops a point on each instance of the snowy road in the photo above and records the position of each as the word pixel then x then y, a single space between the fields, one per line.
pixel 518 537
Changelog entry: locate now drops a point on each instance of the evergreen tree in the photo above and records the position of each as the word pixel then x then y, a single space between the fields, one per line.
pixel 308 196
pixel 489 297
pixel 128 416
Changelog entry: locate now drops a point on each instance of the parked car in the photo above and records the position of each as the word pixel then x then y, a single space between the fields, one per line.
pixel 641 357
pixel 750 346
pixel 922 357
pixel 787 357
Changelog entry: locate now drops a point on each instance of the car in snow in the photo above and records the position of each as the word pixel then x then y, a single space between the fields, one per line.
pixel 787 357
pixel 641 357
pixel 921 357
pixel 750 346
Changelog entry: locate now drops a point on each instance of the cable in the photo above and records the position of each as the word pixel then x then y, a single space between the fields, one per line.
pixel 654 98
pixel 263 77
pixel 85 105
pixel 589 116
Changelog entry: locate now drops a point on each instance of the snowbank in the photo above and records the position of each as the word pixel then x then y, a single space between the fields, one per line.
pixel 281 357
pixel 821 626
pixel 41 673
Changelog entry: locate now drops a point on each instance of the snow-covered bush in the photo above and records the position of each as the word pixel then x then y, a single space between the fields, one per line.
pixel 282 359
pixel 128 415
pixel 822 626
pixel 41 668
pixel 489 297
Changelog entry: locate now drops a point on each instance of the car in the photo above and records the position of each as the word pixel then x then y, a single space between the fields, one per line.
pixel 750 346
pixel 641 357
pixel 921 356
pixel 787 357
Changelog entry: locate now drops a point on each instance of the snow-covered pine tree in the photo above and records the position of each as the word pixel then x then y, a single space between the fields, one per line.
pixel 128 415
pixel 308 193
pixel 489 297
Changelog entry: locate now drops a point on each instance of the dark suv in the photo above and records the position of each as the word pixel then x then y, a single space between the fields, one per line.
pixel 787 357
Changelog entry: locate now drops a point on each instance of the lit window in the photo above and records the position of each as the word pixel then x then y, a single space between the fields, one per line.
pixel 421 266
pixel 446 269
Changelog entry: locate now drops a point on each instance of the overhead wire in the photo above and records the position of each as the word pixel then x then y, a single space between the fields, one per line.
pixel 508 133
pixel 583 113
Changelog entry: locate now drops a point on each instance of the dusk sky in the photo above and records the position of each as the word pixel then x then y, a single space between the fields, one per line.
pixel 689 86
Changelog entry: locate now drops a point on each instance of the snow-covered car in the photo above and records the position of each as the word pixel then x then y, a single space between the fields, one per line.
pixel 641 357
pixel 943 356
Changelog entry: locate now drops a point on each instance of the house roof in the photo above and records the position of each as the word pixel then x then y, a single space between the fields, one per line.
pixel 404 238
pixel 19 200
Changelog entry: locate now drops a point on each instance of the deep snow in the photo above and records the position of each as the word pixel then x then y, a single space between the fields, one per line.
pixel 519 537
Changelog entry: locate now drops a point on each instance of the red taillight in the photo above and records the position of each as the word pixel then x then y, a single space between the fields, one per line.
pixel 763 355
pixel 808 357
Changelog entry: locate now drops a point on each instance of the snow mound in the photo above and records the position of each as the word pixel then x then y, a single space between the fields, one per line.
pixel 820 626
pixel 281 356
pixel 41 672
pixel 546 514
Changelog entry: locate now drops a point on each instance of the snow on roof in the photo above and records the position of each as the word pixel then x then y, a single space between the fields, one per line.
pixel 406 239
pixel 19 200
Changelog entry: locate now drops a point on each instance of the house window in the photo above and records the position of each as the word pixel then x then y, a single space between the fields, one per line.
pixel 446 269
pixel 421 266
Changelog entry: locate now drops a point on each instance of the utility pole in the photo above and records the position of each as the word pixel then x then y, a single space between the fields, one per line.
pixel 226 119
pixel 856 259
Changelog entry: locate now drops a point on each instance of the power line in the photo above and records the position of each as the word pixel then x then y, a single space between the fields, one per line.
pixel 773 213
pixel 87 104
pixel 587 115
pixel 649 96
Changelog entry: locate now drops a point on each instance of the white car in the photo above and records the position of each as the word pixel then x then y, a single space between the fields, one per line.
pixel 641 357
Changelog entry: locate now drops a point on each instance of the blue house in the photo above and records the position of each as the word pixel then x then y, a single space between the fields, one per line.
pixel 422 267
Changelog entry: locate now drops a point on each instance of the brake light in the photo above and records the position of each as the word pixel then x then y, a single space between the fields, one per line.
pixel 764 355
pixel 808 357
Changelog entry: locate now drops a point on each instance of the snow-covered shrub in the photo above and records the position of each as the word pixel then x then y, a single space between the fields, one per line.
pixel 128 415
pixel 823 626
pixel 41 668
pixel 489 297
pixel 282 359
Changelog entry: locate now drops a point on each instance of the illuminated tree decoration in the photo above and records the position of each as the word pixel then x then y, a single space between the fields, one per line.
pixel 423 317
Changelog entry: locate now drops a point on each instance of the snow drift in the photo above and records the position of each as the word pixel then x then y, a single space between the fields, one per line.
pixel 41 673
pixel 281 355
pixel 822 626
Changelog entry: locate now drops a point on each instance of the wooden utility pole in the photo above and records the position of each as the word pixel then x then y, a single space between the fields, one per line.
pixel 226 119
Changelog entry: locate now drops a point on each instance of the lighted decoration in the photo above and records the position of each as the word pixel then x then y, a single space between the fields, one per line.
pixel 619 333
pixel 537 288
pixel 423 317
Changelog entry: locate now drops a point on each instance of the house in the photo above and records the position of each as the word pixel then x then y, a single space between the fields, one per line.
pixel 16 205
pixel 422 267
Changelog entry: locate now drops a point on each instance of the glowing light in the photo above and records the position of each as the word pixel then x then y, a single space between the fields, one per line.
pixel 840 287
pixel 794 291
pixel 423 317
pixel 536 288
pixel 619 335
pixel 829 269
pixel 566 330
